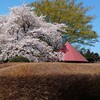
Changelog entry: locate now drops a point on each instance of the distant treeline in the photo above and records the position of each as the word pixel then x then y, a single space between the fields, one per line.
pixel 91 56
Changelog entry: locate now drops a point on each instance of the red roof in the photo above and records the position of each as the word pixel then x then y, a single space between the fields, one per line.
pixel 71 54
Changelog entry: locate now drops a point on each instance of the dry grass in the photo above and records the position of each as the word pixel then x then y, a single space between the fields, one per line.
pixel 44 69
pixel 49 81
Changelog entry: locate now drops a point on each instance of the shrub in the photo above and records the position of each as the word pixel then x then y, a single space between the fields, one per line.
pixel 1 61
pixel 19 59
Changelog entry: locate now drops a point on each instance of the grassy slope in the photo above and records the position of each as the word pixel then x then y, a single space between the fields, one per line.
pixel 49 81
pixel 30 69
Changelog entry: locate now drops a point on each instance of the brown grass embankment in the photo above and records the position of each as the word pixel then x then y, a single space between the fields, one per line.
pixel 30 69
pixel 50 81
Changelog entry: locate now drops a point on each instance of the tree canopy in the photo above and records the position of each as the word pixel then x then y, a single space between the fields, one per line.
pixel 74 15
pixel 23 33
pixel 91 56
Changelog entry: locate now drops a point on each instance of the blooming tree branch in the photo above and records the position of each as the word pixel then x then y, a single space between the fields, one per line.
pixel 23 33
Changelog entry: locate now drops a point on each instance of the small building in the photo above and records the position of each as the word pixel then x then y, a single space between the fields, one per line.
pixel 71 54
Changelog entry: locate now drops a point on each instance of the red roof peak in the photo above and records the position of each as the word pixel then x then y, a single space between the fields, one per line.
pixel 72 54
pixel 67 43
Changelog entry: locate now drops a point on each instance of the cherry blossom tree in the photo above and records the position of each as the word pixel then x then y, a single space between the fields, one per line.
pixel 23 33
